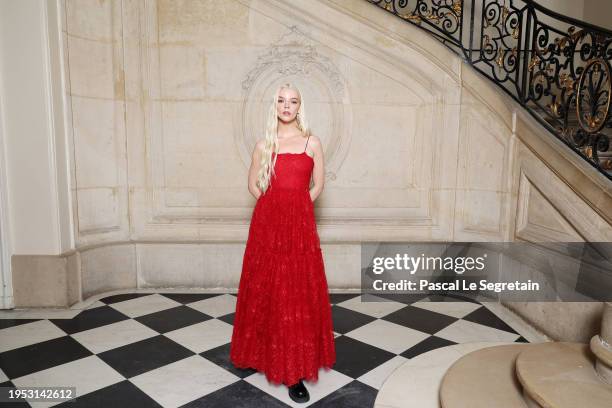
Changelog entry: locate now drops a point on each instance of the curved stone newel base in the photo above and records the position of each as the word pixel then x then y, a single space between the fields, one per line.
pixel 601 346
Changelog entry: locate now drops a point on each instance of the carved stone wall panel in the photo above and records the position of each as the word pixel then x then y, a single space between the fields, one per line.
pixel 549 210
pixel 538 219
pixel 483 190
pixel 199 130
pixel 93 35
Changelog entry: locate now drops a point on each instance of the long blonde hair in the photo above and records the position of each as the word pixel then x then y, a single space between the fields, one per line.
pixel 266 168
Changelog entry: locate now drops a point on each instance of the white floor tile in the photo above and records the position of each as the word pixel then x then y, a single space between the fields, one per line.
pixel 183 381
pixel 329 381
pixel 372 305
pixel 86 374
pixel 114 335
pixel 95 304
pixel 216 306
pixel 39 313
pixel 27 334
pixel 202 336
pixel 463 331
pixel 388 336
pixel 144 305
pixel 454 309
pixel 377 376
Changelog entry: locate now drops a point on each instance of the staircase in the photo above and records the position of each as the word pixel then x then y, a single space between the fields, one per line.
pixel 544 375
pixel 559 70
pixel 556 67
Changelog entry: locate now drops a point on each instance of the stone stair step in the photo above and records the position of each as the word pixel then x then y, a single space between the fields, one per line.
pixel 561 375
pixel 483 379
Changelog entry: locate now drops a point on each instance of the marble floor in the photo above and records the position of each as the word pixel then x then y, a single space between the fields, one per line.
pixel 172 350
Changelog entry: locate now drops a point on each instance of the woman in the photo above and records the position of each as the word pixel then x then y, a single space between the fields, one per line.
pixel 283 325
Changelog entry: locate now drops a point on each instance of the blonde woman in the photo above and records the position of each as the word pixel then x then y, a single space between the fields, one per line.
pixel 283 325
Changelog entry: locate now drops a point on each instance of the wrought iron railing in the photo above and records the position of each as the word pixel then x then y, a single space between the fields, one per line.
pixel 556 67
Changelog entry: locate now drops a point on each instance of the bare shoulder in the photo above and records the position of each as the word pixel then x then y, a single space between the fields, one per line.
pixel 314 141
pixel 259 146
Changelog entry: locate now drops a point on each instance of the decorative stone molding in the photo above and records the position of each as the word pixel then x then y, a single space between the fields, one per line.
pixel 294 58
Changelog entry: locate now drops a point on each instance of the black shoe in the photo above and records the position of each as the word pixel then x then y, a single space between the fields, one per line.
pixel 298 392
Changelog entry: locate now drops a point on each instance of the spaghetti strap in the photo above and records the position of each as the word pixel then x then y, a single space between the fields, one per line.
pixel 306 143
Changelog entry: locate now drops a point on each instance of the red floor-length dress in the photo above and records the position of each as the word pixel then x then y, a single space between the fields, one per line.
pixel 283 325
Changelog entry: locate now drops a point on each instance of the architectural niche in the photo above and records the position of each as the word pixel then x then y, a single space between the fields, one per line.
pixel 294 58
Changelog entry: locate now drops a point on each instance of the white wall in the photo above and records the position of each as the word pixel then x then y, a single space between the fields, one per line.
pixel 37 193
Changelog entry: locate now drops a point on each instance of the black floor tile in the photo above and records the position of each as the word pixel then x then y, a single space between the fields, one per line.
pixel 345 320
pixel 18 403
pixel 142 356
pixel 122 297
pixel 406 298
pixel 521 340
pixel 40 356
pixel 420 319
pixel 485 317
pixel 172 319
pixel 335 298
pixel 6 323
pixel 430 343
pixel 355 358
pixel 228 318
pixel 121 394
pixel 451 298
pixel 186 298
pixel 221 357
pixel 353 395
pixel 240 394
pixel 90 319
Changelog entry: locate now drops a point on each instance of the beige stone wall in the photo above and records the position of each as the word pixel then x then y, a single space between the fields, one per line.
pixel 598 12
pixel 167 99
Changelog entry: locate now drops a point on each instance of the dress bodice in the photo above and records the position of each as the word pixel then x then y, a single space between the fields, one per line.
pixel 292 171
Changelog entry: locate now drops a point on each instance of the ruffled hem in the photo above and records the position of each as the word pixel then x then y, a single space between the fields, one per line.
pixel 283 325
pixel 277 380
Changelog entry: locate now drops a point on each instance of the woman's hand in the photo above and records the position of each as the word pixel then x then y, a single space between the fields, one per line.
pixel 254 169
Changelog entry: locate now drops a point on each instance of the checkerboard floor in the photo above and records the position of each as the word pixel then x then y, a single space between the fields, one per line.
pixel 172 350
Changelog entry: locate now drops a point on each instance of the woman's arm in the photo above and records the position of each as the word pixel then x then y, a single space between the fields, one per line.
pixel 254 169
pixel 318 174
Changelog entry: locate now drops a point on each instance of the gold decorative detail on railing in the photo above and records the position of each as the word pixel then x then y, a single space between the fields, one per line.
pixel 593 117
pixel 415 18
pixel 553 107
pixel 566 82
pixel 515 32
pixel 457 8
pixel 534 61
pixel 505 13
pixel 500 57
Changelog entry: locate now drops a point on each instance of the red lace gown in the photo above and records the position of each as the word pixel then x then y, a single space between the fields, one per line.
pixel 283 325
